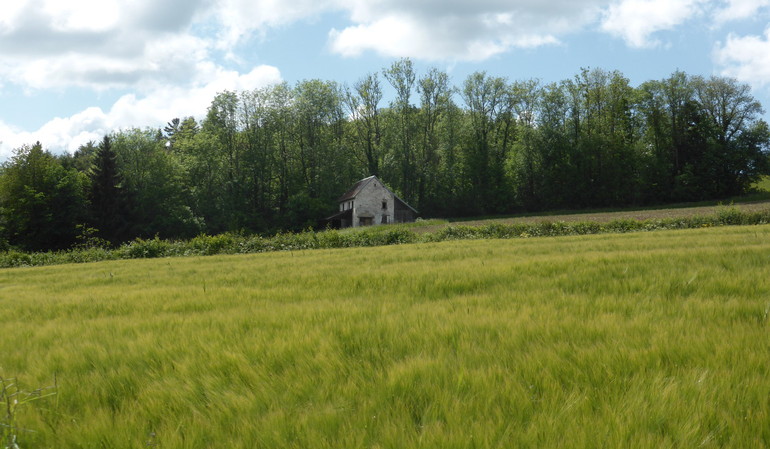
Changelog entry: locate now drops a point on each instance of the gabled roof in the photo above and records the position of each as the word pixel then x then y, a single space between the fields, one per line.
pixel 405 204
pixel 359 186
pixel 345 214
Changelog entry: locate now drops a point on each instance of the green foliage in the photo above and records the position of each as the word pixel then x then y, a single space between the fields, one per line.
pixel 110 203
pixel 305 211
pixel 213 244
pixel 276 158
pixel 728 215
pixel 13 258
pixel 41 202
pixel 88 238
pixel 92 249
pixel 143 249
pixel 153 180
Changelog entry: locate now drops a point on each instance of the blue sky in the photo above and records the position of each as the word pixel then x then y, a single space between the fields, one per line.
pixel 71 71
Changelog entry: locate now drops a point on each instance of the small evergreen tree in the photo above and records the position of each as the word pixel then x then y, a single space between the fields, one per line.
pixel 110 207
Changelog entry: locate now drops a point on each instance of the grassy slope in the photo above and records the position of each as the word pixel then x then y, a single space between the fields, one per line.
pixel 684 211
pixel 638 340
pixel 758 199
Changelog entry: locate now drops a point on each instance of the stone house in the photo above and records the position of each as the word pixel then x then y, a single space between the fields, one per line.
pixel 370 202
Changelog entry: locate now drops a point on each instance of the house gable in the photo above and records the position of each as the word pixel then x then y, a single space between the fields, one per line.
pixel 370 202
pixel 373 203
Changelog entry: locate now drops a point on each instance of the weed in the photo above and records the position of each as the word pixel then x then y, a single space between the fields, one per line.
pixel 14 399
pixel 730 215
pixel 93 250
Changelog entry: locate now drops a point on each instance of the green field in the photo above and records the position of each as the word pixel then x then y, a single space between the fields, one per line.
pixel 657 339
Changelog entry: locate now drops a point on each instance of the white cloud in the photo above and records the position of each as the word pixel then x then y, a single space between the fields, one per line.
pixel 746 58
pixel 107 44
pixel 738 10
pixel 153 110
pixel 457 29
pixel 164 104
pixel 98 44
pixel 88 15
pixel 635 21
pixel 145 47
pixel 240 18
pixel 165 52
pixel 403 36
pixel 9 15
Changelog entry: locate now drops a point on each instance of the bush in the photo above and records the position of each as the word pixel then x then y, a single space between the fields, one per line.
pixel 730 215
pixel 624 225
pixel 229 243
pixel 13 258
pixel 396 236
pixel 330 239
pixel 585 228
pixel 207 245
pixel 88 255
pixel 253 244
pixel 145 249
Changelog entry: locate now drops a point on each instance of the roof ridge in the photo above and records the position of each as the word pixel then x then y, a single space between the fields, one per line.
pixel 360 184
pixel 353 191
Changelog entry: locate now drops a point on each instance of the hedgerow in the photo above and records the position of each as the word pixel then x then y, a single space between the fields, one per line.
pixel 231 243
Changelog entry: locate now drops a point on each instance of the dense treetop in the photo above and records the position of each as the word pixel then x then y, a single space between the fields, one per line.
pixel 278 157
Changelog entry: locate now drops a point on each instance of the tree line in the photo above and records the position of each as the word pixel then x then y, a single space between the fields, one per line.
pixel 276 158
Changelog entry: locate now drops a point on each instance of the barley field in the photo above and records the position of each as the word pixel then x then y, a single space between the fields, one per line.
pixel 642 340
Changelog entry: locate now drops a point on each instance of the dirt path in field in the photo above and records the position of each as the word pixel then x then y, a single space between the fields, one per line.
pixel 603 217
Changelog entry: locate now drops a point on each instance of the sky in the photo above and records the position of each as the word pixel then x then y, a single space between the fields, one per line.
pixel 72 71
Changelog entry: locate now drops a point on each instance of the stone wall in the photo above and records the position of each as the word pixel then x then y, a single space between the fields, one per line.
pixel 368 205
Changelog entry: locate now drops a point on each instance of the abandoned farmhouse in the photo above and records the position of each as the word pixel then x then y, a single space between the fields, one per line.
pixel 370 202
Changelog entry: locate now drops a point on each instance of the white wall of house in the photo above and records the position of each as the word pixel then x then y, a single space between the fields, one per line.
pixel 368 204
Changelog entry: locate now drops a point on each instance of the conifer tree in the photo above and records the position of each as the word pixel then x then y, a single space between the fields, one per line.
pixel 110 207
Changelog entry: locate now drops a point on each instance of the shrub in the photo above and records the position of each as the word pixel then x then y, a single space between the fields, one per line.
pixel 624 225
pixel 730 215
pixel 13 258
pixel 330 239
pixel 253 244
pixel 585 228
pixel 230 243
pixel 144 249
pixel 207 245
pixel 461 232
pixel 399 235
pixel 85 255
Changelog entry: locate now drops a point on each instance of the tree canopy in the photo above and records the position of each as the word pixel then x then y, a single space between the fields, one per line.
pixel 278 157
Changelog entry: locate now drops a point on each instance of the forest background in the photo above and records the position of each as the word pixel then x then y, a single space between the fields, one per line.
pixel 276 158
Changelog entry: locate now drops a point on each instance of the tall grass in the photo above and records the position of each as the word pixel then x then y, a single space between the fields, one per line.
pixel 637 340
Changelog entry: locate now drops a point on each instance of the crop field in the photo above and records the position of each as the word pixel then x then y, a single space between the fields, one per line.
pixel 605 216
pixel 641 340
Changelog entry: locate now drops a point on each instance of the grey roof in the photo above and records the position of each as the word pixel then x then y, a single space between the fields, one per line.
pixel 405 203
pixel 357 187
pixel 353 191
pixel 340 215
